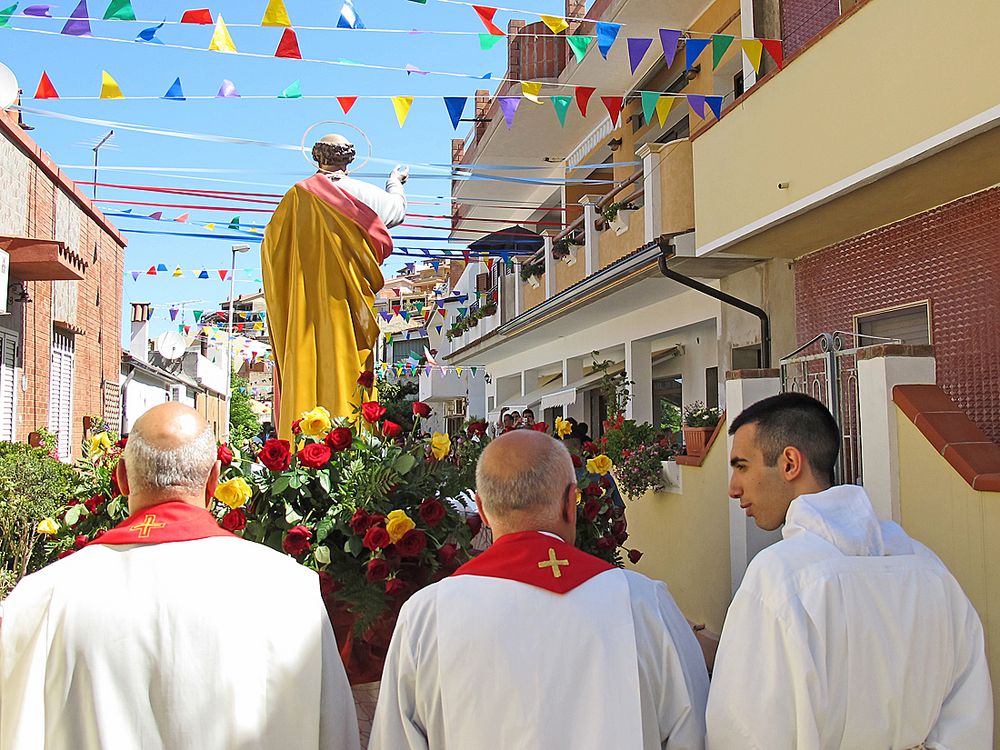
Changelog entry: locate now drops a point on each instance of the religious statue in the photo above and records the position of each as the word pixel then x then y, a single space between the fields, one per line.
pixel 321 262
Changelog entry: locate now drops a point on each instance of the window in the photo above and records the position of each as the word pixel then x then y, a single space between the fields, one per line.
pixel 738 85
pixel 712 387
pixel 61 391
pixel 910 324
pixel 407 348
pixel 8 385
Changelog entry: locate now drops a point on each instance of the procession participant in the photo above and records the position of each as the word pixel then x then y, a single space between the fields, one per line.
pixel 847 633
pixel 169 632
pixel 321 262
pixel 535 644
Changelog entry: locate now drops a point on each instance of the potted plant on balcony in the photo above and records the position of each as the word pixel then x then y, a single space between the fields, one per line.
pixel 699 424
pixel 531 272
pixel 615 215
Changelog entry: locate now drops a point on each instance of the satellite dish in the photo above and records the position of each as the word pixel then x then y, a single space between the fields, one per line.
pixel 8 87
pixel 170 345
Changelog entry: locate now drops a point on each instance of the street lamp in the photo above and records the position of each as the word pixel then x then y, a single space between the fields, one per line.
pixel 97 149
pixel 229 342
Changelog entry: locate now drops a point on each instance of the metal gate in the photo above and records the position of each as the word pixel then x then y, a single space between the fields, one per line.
pixel 826 369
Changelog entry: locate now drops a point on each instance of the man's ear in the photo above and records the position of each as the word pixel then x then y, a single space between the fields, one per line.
pixel 569 504
pixel 482 513
pixel 792 464
pixel 121 475
pixel 213 482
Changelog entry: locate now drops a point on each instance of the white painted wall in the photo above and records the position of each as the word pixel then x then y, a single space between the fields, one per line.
pixel 142 393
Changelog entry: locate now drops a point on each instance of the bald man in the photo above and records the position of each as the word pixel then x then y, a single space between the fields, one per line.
pixel 169 632
pixel 534 644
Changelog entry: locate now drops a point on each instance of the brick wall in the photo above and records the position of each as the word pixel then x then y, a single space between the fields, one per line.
pixel 950 256
pixel 801 20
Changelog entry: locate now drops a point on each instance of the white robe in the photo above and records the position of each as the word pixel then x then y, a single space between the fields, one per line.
pixel 849 634
pixel 480 663
pixel 389 204
pixel 213 643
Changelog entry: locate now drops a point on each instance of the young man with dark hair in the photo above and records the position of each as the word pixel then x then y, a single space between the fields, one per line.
pixel 847 633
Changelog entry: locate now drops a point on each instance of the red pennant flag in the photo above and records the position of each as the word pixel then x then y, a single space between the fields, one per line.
pixel 486 14
pixel 583 94
pixel 489 264
pixel 187 329
pixel 494 297
pixel 200 16
pixel 151 271
pixel 183 218
pixel 240 327
pixel 346 102
pixel 773 47
pixel 45 88
pixel 614 107
pixel 288 46
pixel 442 311
pixel 396 309
pixel 222 273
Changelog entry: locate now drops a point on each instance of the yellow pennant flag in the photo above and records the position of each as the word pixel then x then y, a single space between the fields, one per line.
pixel 458 370
pixel 402 106
pixel 531 90
pixel 753 48
pixel 210 227
pixel 178 272
pixel 221 41
pixel 275 15
pixel 663 107
pixel 555 23
pixel 258 326
pixel 109 87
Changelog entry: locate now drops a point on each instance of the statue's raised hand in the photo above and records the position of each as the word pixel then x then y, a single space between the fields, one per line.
pixel 401 173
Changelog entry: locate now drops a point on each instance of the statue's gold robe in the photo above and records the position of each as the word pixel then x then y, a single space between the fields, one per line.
pixel 321 268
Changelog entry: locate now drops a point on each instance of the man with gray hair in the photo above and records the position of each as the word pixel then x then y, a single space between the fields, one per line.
pixel 169 632
pixel 535 644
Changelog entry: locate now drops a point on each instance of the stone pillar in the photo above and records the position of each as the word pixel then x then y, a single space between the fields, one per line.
pixel 639 369
pixel 518 289
pixel 550 266
pixel 745 387
pixel 879 369
pixel 592 239
pixel 652 185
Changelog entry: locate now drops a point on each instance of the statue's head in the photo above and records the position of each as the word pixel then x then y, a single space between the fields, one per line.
pixel 333 152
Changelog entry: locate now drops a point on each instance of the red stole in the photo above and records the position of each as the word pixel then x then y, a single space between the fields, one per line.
pixel 538 560
pixel 354 209
pixel 172 521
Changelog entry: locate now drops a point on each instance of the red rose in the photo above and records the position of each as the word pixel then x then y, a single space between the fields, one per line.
pixel 606 543
pixel 367 379
pixel 475 524
pixel 377 519
pixel 339 439
pixel 122 443
pixel 315 455
pixel 377 538
pixel 431 512
pixel 447 553
pixel 412 544
pixel 634 556
pixel 591 448
pixel 618 526
pixel 577 461
pixel 328 584
pixel 276 455
pixel 372 411
pixel 394 586
pixel 94 503
pixel 224 454
pixel 605 482
pixel 65 553
pixel 378 570
pixel 477 428
pixel 540 427
pixel 81 541
pixel 420 409
pixel 593 490
pixel 296 541
pixel 391 429
pixel 296 429
pixel 590 509
pixel 235 520
pixel 360 521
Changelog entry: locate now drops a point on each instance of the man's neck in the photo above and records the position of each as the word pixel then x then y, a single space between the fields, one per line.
pixel 139 504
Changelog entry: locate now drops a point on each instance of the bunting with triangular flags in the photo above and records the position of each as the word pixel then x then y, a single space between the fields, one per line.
pixel 292 91
pixel 753 48
pixel 693 49
pixel 649 101
pixel 288 46
pixel 45 88
pixel 583 94
pixel 109 87
pixel 720 44
pixel 774 49
pixel 119 10
pixel 221 41
pixel 508 106
pixel 402 104
pixel 580 45
pixel 78 24
pixel 614 106
pixel 488 41
pixel 276 14
pixel 175 92
pixel 637 49
pixel 555 23
pixel 606 35
pixel 456 107
pixel 663 107
pixel 530 91
pixel 486 14
pixel 561 105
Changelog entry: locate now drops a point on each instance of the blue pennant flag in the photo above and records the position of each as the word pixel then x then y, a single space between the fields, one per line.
pixel 606 35
pixel 692 49
pixel 149 35
pixel 456 106
pixel 175 92
pixel 715 104
pixel 349 19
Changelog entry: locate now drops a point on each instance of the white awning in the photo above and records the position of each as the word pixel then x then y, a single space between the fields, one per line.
pixel 529 400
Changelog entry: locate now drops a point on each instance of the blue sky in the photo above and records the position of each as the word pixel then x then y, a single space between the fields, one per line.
pixel 75 64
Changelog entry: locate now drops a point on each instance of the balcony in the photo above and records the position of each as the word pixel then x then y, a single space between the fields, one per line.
pixel 861 128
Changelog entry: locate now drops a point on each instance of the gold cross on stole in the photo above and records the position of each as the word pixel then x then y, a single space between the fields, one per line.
pixel 147 525
pixel 553 563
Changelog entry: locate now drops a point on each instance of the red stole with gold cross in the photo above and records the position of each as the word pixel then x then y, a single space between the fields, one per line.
pixel 172 521
pixel 536 559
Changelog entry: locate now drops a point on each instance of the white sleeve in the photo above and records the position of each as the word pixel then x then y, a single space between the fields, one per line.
pixel 392 208
pixel 396 725
pixel 338 721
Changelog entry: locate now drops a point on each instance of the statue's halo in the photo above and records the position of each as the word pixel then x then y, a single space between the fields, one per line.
pixel 308 153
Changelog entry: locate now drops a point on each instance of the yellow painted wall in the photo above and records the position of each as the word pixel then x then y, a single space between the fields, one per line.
pixel 849 101
pixel 685 539
pixel 677 184
pixel 532 297
pixel 611 246
pixel 961 525
pixel 567 275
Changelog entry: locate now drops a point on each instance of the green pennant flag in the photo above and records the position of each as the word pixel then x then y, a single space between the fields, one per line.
pixel 235 223
pixel 580 45
pixel 649 101
pixel 720 43
pixel 487 41
pixel 197 315
pixel 292 92
pixel 474 371
pixel 119 10
pixel 5 15
pixel 561 104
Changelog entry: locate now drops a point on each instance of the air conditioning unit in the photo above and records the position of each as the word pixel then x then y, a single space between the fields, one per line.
pixel 455 407
pixel 177 393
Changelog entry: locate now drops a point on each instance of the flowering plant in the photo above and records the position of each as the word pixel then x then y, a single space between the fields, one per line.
pixel 697 414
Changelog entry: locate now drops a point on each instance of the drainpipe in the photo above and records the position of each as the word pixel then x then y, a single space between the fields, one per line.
pixel 666 245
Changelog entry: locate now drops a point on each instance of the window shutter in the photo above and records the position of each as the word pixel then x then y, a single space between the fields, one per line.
pixel 8 385
pixel 61 392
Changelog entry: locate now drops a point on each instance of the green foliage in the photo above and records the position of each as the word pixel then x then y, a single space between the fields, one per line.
pixel 243 422
pixel 640 470
pixel 397 397
pixel 616 388
pixel 624 435
pixel 32 487
pixel 670 419
pixel 699 415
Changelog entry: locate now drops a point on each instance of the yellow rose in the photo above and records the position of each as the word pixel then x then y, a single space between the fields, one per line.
pixel 579 496
pixel 48 527
pixel 563 427
pixel 99 445
pixel 440 445
pixel 599 465
pixel 233 493
pixel 315 423
pixel 397 523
